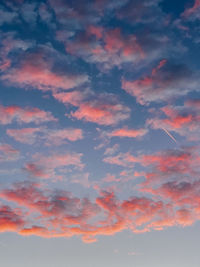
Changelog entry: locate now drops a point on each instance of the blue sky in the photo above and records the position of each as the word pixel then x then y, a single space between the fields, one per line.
pixel 100 126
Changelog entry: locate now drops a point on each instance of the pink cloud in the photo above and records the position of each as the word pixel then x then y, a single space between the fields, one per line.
pixel 10 44
pixel 111 47
pixel 179 192
pixel 193 103
pixel 131 133
pixel 57 137
pixel 8 153
pixel 96 31
pixel 49 136
pixel 10 219
pixel 169 162
pixel 122 159
pixel 111 150
pixel 103 109
pixel 24 115
pixel 5 64
pixel 25 135
pixel 110 178
pixel 170 165
pixel 190 11
pixel 160 65
pixel 74 98
pixel 37 171
pixel 36 72
pixel 104 114
pixel 62 214
pixel 47 166
pixel 167 81
pixel 183 120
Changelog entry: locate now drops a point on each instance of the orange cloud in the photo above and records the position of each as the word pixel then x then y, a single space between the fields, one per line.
pixel 10 220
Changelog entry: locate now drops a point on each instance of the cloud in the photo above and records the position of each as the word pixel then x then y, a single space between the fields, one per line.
pixel 109 178
pixel 25 135
pixel 130 133
pixel 111 150
pixel 182 191
pixel 57 137
pixel 105 47
pixel 122 159
pixel 50 166
pixel 10 219
pixel 7 17
pixel 166 82
pixel 8 153
pixel 51 137
pixel 103 109
pixel 167 165
pixel 75 53
pixel 75 98
pixel 63 215
pixel 10 45
pixel 68 14
pixel 37 171
pixel 24 115
pixel 29 13
pixel 108 5
pixel 139 11
pixel 35 71
pixel 101 113
pixel 184 120
pixel 45 14
pixel 193 103
pixel 181 194
pixel 192 10
pixel 170 165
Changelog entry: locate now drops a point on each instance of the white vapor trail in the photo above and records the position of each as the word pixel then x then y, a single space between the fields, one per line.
pixel 171 136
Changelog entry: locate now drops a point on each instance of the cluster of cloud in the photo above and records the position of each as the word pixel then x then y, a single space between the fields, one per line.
pixel 183 120
pixel 193 11
pixel 35 70
pixel 84 42
pixel 62 214
pixel 166 82
pixel 105 47
pixel 46 69
pixel 103 109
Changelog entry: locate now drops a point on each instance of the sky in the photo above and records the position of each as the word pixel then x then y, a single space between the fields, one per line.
pixel 99 133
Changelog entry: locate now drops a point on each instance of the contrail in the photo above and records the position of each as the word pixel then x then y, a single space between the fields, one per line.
pixel 169 135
